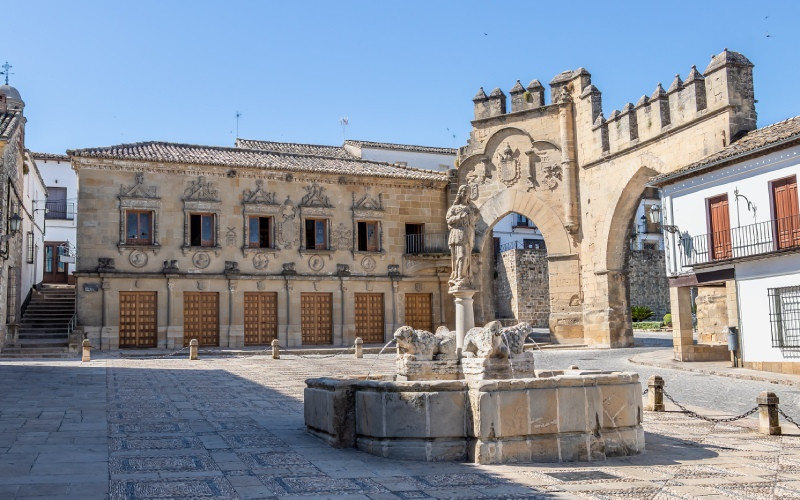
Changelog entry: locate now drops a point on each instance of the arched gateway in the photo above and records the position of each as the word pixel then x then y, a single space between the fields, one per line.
pixel 580 177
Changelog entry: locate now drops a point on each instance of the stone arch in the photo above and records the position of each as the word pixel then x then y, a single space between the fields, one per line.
pixel 622 215
pixel 563 263
pixel 547 220
pixel 608 320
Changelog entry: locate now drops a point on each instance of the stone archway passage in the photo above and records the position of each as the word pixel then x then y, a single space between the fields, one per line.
pixel 579 175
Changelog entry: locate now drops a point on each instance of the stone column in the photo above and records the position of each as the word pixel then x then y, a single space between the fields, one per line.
pixel 680 299
pixel 465 314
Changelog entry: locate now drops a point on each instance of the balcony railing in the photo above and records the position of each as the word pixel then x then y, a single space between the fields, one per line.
pixel 426 243
pixel 59 210
pixel 745 241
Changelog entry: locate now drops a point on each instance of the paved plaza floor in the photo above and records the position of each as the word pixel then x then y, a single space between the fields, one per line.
pixel 232 427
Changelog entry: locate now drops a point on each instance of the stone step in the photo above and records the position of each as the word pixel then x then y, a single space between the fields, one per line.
pixel 42 335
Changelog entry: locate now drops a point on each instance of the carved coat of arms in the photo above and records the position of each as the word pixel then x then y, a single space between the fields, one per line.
pixel 508 168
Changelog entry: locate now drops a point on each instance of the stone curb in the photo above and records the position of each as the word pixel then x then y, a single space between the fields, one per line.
pixel 691 366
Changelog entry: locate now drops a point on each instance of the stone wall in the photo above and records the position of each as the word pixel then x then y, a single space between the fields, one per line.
pixel 648 281
pixel 521 286
pixel 522 291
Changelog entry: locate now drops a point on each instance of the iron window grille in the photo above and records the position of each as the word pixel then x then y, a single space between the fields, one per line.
pixel 784 316
pixel 29 248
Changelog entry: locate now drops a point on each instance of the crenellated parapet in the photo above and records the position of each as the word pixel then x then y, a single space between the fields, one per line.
pixel 726 83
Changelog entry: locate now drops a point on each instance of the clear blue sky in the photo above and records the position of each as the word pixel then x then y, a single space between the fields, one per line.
pixel 101 73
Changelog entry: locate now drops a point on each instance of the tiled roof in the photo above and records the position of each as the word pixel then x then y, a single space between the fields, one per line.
pixel 294 148
pixel 752 143
pixel 166 152
pixel 8 122
pixel 50 156
pixel 402 147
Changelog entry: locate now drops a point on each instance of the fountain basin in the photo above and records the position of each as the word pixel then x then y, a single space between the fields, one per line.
pixel 556 416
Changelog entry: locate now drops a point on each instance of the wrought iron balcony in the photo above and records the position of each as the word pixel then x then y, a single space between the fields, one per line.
pixel 59 210
pixel 777 235
pixel 417 244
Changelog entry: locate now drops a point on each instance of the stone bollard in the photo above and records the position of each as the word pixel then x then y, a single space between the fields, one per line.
pixel 87 351
pixel 276 349
pixel 359 348
pixel 193 349
pixel 768 414
pixel 655 393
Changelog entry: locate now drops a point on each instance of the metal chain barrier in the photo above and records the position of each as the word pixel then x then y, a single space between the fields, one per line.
pixel 709 419
pixel 788 418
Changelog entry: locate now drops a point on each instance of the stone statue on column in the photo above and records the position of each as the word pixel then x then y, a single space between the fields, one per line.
pixel 461 218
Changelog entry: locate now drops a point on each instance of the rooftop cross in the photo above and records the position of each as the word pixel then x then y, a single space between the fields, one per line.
pixel 6 67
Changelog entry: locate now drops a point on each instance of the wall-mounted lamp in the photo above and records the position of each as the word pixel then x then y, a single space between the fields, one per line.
pixel 14 224
pixel 655 217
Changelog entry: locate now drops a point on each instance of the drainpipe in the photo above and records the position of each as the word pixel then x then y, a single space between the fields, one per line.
pixel 341 302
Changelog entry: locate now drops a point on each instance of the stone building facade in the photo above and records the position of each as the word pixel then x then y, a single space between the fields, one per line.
pixel 239 246
pixel 581 176
pixel 522 288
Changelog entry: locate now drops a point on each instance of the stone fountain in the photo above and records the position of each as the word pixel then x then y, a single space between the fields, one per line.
pixel 473 394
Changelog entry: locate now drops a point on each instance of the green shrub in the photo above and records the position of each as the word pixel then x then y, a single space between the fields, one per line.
pixel 640 313
pixel 646 325
pixel 668 319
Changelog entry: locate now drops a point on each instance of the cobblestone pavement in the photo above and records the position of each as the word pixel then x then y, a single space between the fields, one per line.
pixel 232 427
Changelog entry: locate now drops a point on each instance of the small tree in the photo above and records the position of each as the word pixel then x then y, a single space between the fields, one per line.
pixel 640 313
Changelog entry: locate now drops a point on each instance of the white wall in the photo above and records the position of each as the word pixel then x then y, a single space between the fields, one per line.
pixel 753 279
pixel 33 222
pixel 426 161
pixel 59 173
pixel 685 201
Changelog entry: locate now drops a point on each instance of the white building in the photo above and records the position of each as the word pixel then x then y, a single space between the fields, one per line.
pixel 32 226
pixel 732 225
pixel 60 217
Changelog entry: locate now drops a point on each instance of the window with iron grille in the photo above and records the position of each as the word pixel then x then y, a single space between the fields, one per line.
pixel 29 248
pixel 784 316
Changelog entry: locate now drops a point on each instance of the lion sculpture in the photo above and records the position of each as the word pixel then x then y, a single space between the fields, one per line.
pixel 485 342
pixel 514 337
pixel 422 345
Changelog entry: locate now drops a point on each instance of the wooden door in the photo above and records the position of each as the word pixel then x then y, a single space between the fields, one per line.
pixel 720 222
pixel 316 318
pixel 55 271
pixel 137 319
pixel 369 317
pixel 260 317
pixel 419 312
pixel 201 318
pixel 787 215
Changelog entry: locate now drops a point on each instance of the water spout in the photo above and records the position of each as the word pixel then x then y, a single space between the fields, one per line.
pixel 378 357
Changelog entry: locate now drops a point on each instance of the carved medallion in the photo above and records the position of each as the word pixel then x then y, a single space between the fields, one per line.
pixel 260 285
pixel 508 166
pixel 368 264
pixel 418 287
pixel 201 260
pixel 201 285
pixel 316 263
pixel 260 261
pixel 137 258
